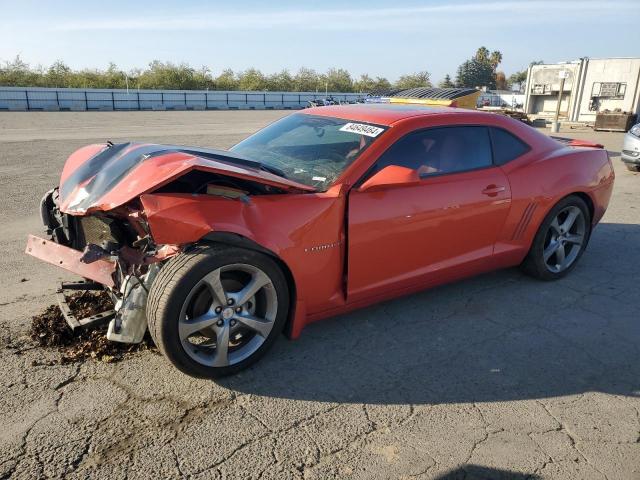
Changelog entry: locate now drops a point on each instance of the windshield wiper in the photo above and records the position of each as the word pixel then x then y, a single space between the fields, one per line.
pixel 232 157
pixel 271 169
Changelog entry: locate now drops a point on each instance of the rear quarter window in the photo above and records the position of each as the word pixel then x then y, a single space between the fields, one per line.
pixel 506 147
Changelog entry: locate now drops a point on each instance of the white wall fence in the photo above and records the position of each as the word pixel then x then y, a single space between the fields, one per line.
pixel 501 98
pixel 80 99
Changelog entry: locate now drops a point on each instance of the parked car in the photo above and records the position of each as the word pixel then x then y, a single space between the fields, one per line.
pixel 322 102
pixel 631 149
pixel 324 211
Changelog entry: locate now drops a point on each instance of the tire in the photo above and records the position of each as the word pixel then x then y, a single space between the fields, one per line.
pixel 187 295
pixel 633 167
pixel 550 237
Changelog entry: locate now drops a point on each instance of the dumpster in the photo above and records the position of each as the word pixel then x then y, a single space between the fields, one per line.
pixel 614 121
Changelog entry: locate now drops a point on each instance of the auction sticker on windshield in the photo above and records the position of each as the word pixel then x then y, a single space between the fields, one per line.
pixel 362 129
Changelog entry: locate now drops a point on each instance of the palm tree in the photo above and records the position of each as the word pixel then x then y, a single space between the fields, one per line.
pixel 495 59
pixel 482 54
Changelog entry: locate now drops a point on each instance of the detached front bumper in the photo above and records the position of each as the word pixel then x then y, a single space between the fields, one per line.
pixel 114 251
pixel 101 271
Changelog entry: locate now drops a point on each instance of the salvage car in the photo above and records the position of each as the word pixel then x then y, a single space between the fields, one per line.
pixel 324 211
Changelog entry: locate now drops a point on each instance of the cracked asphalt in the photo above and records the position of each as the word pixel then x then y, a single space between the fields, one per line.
pixel 499 376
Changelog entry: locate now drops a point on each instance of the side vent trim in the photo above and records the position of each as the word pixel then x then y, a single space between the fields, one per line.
pixel 524 221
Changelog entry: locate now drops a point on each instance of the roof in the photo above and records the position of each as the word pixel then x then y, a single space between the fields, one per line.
pixel 379 113
pixel 433 93
pixel 503 92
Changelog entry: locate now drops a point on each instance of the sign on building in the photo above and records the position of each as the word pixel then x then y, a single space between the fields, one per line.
pixel 608 89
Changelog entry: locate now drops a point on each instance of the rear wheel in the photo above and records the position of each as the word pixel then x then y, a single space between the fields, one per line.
pixel 560 241
pixel 216 310
pixel 633 167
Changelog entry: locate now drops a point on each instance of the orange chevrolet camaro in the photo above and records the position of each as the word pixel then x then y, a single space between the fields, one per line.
pixel 324 211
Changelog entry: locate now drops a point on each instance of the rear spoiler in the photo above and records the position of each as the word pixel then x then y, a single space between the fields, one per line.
pixel 574 142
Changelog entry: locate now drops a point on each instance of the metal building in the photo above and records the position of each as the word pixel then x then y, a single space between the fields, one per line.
pixel 591 85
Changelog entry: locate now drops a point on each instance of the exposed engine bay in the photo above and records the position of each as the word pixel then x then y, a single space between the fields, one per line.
pixel 122 238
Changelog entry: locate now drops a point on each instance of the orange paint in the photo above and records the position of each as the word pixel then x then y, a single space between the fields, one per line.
pixel 397 232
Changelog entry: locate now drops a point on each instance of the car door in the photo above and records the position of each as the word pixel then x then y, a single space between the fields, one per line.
pixel 442 227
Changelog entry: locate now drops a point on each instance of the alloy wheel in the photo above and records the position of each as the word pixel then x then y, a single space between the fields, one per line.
pixel 564 239
pixel 228 315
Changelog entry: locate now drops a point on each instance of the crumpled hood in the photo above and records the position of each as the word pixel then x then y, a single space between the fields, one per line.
pixel 105 176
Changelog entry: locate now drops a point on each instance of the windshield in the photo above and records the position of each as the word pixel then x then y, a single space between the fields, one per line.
pixel 309 149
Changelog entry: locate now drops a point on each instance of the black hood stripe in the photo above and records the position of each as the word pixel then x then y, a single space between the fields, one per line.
pixel 102 172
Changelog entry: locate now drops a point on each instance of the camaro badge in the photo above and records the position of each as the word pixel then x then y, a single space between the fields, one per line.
pixel 319 248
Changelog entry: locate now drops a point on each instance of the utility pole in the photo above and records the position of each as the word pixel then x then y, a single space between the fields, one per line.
pixel 555 125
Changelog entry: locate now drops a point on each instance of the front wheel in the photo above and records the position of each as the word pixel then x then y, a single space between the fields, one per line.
pixel 560 240
pixel 216 310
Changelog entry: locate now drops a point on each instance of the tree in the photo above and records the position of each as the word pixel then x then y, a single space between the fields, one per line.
pixel 111 78
pixel 366 84
pixel 501 81
pixel 226 80
pixel 446 83
pixel 306 80
pixel 251 79
pixel 482 54
pixel 381 84
pixel 203 78
pixel 17 73
pixel 413 80
pixel 520 78
pixel 280 82
pixel 479 71
pixel 58 74
pixel 336 80
pixel 475 74
pixel 172 76
pixel 495 59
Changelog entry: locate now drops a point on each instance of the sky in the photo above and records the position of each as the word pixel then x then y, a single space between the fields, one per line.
pixel 375 37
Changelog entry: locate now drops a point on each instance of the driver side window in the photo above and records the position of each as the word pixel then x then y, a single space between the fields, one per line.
pixel 438 151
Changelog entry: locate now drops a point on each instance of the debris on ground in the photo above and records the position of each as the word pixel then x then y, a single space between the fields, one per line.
pixel 50 329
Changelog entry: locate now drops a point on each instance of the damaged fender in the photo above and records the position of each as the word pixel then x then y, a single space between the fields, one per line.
pixel 306 234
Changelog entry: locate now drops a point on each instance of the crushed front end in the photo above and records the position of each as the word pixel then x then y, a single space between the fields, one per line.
pixel 98 228
pixel 111 250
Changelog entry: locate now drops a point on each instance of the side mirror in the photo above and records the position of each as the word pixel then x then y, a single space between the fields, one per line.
pixel 389 176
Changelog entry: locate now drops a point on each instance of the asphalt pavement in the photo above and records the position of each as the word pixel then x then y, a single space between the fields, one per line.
pixel 499 376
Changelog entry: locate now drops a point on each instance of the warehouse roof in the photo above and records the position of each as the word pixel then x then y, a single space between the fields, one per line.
pixel 427 92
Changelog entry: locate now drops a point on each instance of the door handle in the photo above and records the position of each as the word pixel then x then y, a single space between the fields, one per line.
pixel 493 190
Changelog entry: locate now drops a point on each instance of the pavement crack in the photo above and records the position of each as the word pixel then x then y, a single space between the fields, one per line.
pixel 268 434
pixel 25 437
pixel 247 411
pixel 372 424
pixel 177 461
pixel 572 439
pixel 69 380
